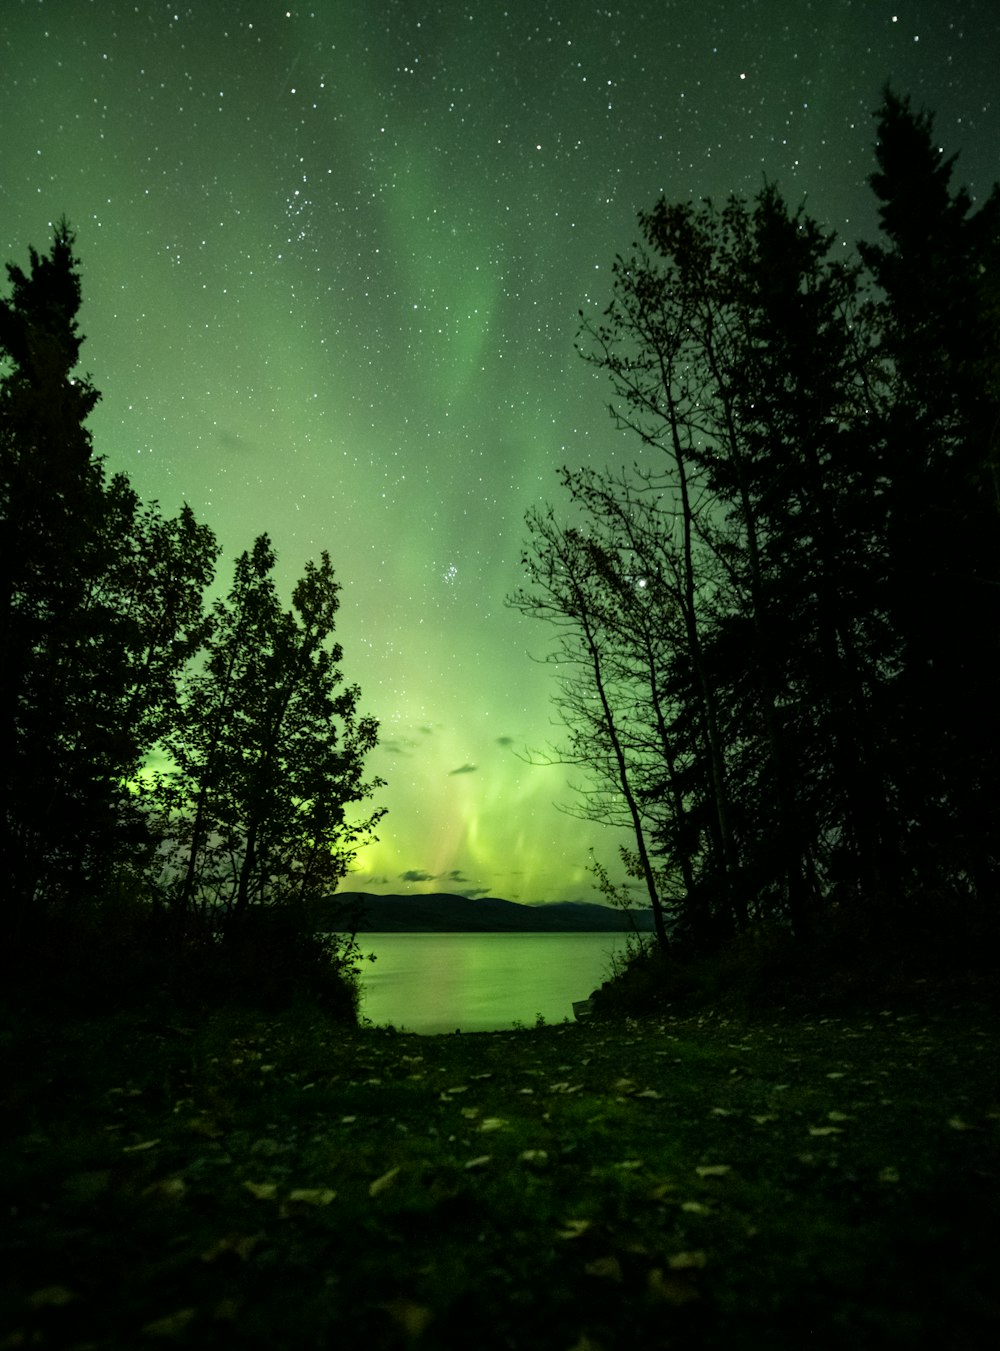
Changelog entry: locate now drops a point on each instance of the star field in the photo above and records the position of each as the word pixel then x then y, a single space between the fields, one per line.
pixel 333 257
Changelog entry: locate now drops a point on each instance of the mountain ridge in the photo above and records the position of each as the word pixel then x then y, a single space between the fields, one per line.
pixel 445 912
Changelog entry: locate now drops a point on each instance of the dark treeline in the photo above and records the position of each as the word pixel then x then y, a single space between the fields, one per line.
pixel 158 752
pixel 779 630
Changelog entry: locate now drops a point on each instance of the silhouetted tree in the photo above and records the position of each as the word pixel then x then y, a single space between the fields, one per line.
pixel 50 511
pixel 268 751
pixel 640 538
pixel 938 325
pixel 730 352
pixel 100 604
pixel 802 575
pixel 570 586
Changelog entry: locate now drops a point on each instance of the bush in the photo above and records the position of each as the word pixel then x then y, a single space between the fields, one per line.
pixel 270 957
pixel 101 955
pixel 860 951
pixel 121 952
pixel 647 981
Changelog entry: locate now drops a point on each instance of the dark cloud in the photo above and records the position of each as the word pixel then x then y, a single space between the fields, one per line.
pixel 470 893
pixel 463 769
pixel 456 875
pixel 406 745
pixel 236 445
pixel 505 741
pixel 416 875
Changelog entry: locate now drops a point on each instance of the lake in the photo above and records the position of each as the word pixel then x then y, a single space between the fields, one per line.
pixel 480 982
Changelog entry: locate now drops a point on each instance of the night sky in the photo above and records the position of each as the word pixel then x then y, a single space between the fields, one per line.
pixel 333 257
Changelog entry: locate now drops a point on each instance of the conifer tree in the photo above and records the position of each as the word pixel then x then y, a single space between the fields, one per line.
pixel 100 605
pixel 936 443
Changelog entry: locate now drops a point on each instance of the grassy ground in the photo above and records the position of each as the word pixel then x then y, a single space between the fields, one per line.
pixel 687 1182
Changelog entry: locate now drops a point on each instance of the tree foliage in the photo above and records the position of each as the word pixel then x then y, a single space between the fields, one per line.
pixel 795 591
pixel 101 605
pixel 268 749
pixel 109 661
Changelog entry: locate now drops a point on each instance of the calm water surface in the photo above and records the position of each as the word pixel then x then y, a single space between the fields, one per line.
pixel 480 982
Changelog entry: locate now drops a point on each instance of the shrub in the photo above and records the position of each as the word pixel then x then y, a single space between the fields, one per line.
pixel 122 952
pixel 861 950
pixel 94 957
pixel 270 957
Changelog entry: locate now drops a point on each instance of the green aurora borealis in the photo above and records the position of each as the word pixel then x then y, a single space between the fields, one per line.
pixel 333 257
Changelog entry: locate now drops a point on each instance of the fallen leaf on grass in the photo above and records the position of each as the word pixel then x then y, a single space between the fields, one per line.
pixel 957 1124
pixel 204 1125
pixel 687 1261
pixel 171 1326
pixel 412 1318
pixel 262 1191
pixel 51 1297
pixel 889 1174
pixel 384 1182
pixel 573 1229
pixel 242 1245
pixel 266 1147
pixel 539 1157
pixel 763 1119
pixel 825 1130
pixel 313 1196
pixel 670 1287
pixel 586 1343
pixel 479 1162
pixel 492 1123
pixel 696 1208
pixel 167 1189
pixel 713 1169
pixel 609 1268
pixel 140 1148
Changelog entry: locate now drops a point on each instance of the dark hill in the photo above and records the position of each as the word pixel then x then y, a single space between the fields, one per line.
pixel 444 913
